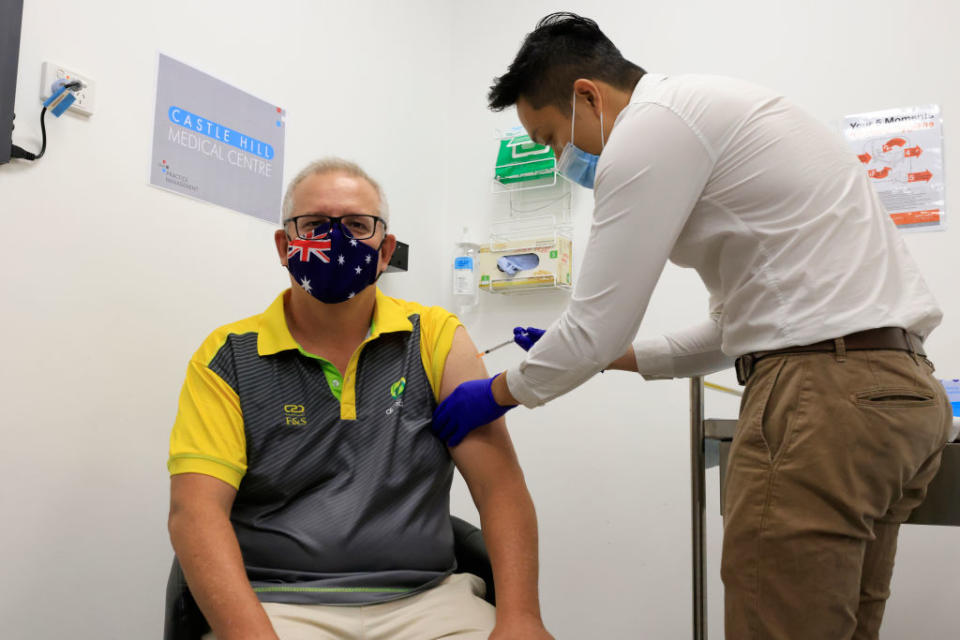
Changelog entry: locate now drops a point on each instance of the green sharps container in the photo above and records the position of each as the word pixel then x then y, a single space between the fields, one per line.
pixel 520 159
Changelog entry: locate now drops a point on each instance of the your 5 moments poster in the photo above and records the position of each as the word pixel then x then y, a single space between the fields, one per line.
pixel 902 153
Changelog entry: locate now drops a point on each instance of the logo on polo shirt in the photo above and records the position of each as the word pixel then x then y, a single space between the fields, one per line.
pixel 293 415
pixel 396 390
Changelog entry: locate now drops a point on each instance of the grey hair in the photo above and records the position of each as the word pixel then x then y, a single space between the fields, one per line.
pixel 333 165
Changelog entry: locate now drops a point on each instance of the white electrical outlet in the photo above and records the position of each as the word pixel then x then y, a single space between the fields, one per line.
pixel 53 72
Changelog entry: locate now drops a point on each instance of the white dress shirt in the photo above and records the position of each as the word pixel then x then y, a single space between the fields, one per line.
pixel 768 205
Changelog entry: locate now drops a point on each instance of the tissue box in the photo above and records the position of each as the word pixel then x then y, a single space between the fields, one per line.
pixel 533 263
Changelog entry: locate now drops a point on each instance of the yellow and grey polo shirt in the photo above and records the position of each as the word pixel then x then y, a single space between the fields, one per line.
pixel 342 489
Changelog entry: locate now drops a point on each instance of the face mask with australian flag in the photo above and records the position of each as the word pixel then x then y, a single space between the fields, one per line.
pixel 332 267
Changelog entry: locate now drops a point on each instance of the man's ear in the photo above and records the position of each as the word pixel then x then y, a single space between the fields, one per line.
pixel 386 252
pixel 590 92
pixel 280 238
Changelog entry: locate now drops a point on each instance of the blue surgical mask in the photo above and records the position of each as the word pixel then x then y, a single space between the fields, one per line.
pixel 332 267
pixel 575 164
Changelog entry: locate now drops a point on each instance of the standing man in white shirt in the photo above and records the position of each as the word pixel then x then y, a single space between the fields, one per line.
pixel 812 294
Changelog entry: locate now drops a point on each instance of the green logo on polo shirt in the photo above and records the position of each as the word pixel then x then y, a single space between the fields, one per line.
pixel 396 389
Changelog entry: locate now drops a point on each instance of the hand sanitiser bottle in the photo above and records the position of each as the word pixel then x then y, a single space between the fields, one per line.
pixel 465 291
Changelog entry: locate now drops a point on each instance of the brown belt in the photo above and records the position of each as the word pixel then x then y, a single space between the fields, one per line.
pixel 883 338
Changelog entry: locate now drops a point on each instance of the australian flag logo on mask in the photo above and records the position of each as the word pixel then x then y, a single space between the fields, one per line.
pixel 312 246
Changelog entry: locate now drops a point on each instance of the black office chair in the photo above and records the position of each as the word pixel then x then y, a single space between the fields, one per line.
pixel 183 620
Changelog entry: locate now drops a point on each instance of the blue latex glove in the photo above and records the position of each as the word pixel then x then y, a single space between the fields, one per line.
pixel 471 405
pixel 528 337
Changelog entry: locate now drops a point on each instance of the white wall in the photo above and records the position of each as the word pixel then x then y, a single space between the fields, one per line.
pixel 102 321
pixel 608 463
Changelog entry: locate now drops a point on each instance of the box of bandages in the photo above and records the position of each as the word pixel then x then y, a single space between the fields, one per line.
pixel 534 263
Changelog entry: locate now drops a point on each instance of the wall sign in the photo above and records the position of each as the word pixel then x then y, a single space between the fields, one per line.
pixel 214 142
pixel 902 153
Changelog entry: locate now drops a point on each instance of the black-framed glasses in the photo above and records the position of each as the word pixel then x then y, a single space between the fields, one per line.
pixel 359 226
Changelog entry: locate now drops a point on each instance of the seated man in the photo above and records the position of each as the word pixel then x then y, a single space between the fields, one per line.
pixel 305 476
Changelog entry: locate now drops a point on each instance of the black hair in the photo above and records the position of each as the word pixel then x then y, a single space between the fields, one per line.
pixel 561 48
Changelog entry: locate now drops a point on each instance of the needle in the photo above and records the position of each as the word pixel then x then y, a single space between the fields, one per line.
pixel 502 344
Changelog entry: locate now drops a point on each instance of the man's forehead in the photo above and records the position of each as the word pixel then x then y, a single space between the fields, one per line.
pixel 538 122
pixel 331 192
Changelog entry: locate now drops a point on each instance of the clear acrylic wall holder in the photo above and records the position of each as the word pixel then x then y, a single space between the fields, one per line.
pixel 524 289
pixel 539 183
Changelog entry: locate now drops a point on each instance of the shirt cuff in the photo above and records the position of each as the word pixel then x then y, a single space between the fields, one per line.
pixel 206 465
pixel 654 358
pixel 520 390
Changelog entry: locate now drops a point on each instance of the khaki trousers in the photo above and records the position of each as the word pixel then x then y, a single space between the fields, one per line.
pixel 832 452
pixel 454 609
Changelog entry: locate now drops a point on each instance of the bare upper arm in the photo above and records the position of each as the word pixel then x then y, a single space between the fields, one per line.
pixel 487 452
pixel 190 491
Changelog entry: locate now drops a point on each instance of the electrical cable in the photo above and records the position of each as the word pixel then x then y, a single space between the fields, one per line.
pixel 20 152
